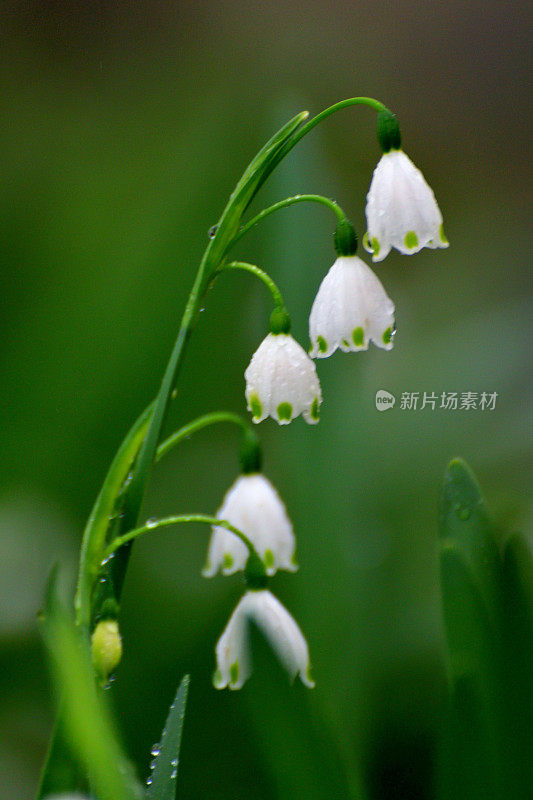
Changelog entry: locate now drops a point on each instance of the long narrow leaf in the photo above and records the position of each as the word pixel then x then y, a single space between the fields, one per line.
pixel 87 729
pixel 470 570
pixel 162 782
pixel 517 641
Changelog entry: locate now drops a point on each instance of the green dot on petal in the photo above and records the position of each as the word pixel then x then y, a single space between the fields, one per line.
pixel 411 240
pixel 314 409
pixel 322 344
pixel 346 343
pixel 234 672
pixel 285 411
pixel 255 406
pixel 375 245
pixel 442 235
pixel 269 559
pixel 387 336
pixel 358 337
pixel 228 561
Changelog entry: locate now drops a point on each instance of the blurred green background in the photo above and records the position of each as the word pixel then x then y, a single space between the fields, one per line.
pixel 125 128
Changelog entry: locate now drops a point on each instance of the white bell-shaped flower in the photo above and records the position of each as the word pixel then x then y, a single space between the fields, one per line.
pixel 401 209
pixel 253 506
pixel 234 664
pixel 351 307
pixel 281 381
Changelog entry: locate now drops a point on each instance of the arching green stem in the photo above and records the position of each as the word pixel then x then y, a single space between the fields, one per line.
pixel 262 275
pixel 351 101
pixel 166 521
pixel 212 259
pixel 196 425
pixel 299 134
pixel 290 201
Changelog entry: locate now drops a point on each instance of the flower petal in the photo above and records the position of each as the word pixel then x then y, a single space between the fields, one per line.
pixel 351 307
pixel 281 381
pixel 253 506
pixel 401 209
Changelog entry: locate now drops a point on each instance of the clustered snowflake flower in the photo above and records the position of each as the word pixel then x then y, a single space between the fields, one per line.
pixel 351 307
pixel 350 310
pixel 253 506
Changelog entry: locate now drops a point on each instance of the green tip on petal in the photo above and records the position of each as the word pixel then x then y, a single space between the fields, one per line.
pixel 442 235
pixel 285 412
pixel 358 337
pixel 374 245
pixel 411 240
pixel 268 558
pixel 218 683
pixel 228 561
pixel 315 409
pixel 309 675
pixel 387 336
pixel 234 674
pixel 322 344
pixel 255 407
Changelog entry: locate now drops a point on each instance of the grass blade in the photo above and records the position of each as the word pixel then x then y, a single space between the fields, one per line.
pixel 470 569
pixel 87 730
pixel 162 782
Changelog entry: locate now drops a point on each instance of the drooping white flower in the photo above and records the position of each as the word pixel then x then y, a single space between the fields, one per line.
pixel 253 506
pixel 234 664
pixel 281 381
pixel 351 307
pixel 401 209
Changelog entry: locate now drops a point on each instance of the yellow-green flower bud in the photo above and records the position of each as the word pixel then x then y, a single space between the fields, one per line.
pixel 106 647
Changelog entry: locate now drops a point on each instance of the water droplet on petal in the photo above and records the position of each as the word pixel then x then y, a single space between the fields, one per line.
pixel 213 231
pixel 156 749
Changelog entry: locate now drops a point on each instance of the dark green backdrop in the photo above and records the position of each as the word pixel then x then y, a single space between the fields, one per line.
pixel 124 128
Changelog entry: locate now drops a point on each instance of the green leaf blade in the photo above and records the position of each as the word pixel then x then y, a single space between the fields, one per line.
pixel 162 784
pixel 471 586
pixel 464 523
pixel 85 732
